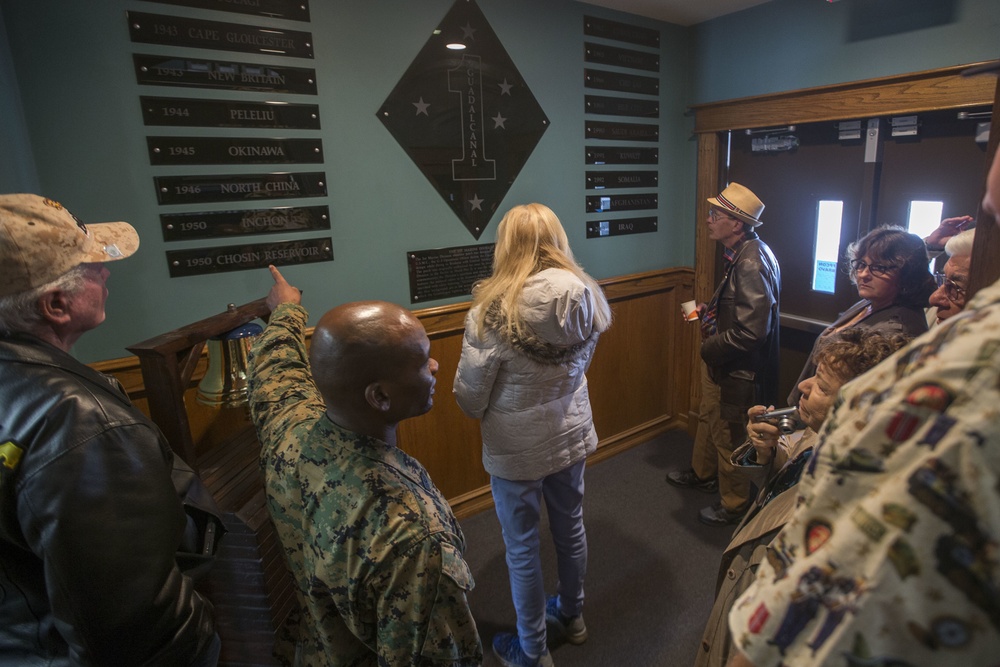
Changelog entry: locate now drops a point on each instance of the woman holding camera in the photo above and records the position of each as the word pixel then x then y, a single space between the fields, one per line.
pixel 839 359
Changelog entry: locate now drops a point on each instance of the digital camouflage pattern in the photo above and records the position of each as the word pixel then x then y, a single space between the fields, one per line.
pixel 374 548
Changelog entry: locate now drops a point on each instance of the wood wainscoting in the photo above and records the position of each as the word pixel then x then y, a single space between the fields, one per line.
pixel 640 383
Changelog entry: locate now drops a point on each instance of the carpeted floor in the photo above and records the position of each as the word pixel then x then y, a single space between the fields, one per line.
pixel 652 569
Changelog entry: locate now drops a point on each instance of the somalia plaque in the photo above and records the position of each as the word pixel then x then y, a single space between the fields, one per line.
pixel 215 224
pixel 602 228
pixel 191 112
pixel 293 10
pixel 598 180
pixel 199 261
pixel 232 150
pixel 623 32
pixel 621 106
pixel 626 83
pixel 622 155
pixel 198 73
pixel 605 203
pixel 596 129
pixel 613 55
pixel 238 187
pixel 447 272
pixel 203 34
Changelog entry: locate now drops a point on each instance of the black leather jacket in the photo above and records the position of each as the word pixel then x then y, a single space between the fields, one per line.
pixel 743 356
pixel 91 520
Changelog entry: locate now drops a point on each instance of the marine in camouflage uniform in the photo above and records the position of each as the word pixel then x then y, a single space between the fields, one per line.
pixel 374 548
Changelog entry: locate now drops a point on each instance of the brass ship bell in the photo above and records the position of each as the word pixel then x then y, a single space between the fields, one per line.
pixel 225 383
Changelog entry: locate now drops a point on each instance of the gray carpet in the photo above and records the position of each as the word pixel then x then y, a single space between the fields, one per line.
pixel 652 569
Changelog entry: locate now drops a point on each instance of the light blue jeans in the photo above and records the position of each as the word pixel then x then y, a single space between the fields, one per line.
pixel 518 505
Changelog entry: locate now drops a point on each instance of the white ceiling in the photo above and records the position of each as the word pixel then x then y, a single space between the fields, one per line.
pixel 681 12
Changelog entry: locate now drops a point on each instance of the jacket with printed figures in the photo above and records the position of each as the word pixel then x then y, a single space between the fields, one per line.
pixel 92 523
pixel 531 394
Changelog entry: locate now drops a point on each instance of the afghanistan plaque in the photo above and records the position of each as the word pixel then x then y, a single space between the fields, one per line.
pixel 623 32
pixel 198 73
pixel 598 180
pixel 621 106
pixel 215 224
pixel 631 131
pixel 198 261
pixel 605 203
pixel 238 187
pixel 232 150
pixel 601 228
pixel 190 112
pixel 203 34
pixel 622 155
pixel 293 10
pixel 613 55
pixel 447 272
pixel 626 83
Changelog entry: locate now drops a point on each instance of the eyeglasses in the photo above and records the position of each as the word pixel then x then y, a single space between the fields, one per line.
pixel 715 214
pixel 952 290
pixel 880 270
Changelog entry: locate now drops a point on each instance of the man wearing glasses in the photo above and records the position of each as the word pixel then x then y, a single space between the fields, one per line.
pixel 949 297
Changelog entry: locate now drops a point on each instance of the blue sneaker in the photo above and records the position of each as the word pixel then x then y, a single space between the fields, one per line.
pixel 507 648
pixel 571 628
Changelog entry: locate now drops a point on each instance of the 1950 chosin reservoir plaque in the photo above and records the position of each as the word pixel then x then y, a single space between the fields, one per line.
pixel 250 256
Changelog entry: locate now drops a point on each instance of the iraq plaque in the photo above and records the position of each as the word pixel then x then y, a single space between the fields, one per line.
pixel 621 106
pixel 293 10
pixel 239 187
pixel 613 55
pixel 199 261
pixel 215 224
pixel 622 155
pixel 626 83
pixel 602 228
pixel 631 131
pixel 199 33
pixel 623 32
pixel 598 180
pixel 198 73
pixel 190 112
pixel 447 272
pixel 232 150
pixel 605 203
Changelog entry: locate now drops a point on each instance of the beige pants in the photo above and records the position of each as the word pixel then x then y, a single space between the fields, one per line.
pixel 714 444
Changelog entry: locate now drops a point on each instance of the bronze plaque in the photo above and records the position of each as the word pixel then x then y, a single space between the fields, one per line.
pixel 447 272
pixel 190 112
pixel 602 228
pixel 623 32
pixel 621 106
pixel 622 155
pixel 606 203
pixel 215 224
pixel 203 34
pixel 598 180
pixel 596 129
pixel 238 187
pixel 293 10
pixel 626 83
pixel 603 54
pixel 198 73
pixel 233 150
pixel 199 261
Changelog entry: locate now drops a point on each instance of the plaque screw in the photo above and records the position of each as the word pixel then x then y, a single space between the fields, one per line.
pixel 176 263
pixel 313 115
pixel 312 81
pixel 136 26
pixel 163 189
pixel 315 150
pixel 321 184
pixel 156 150
pixel 144 68
pixel 324 217
pixel 170 226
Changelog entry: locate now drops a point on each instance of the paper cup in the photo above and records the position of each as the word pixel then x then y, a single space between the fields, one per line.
pixel 690 310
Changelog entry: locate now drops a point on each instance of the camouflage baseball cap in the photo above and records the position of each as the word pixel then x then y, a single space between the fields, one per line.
pixel 40 240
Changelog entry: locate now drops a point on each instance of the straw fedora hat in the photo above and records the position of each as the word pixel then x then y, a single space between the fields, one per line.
pixel 740 203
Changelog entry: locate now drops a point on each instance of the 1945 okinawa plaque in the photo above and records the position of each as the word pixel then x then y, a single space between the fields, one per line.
pixel 190 112
pixel 622 155
pixel 177 31
pixel 626 83
pixel 600 228
pixel 447 272
pixel 596 129
pixel 605 203
pixel 197 73
pixel 233 150
pixel 623 32
pixel 293 10
pixel 621 106
pixel 612 55
pixel 466 118
pixel 597 180
pixel 214 224
pixel 250 256
pixel 238 187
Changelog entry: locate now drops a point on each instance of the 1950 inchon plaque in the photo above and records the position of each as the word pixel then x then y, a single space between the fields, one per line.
pixel 204 34
pixel 199 73
pixel 447 272
pixel 191 112
pixel 233 150
pixel 249 256
pixel 238 187
pixel 214 224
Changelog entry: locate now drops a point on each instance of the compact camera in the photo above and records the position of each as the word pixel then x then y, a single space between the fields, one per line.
pixel 786 420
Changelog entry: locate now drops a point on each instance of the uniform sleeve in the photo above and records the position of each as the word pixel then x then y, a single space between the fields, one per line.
pixel 477 371
pixel 106 521
pixel 752 313
pixel 424 616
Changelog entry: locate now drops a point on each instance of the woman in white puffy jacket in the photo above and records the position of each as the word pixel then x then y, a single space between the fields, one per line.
pixel 529 339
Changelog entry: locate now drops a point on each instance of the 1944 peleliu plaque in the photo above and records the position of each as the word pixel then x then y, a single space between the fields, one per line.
pixel 192 112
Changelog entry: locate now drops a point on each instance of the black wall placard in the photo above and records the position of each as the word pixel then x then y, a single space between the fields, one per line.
pixel 621 106
pixel 596 129
pixel 203 34
pixel 233 150
pixel 238 187
pixel 606 203
pixel 199 261
pixel 292 10
pixel 191 112
pixel 215 224
pixel 200 73
pixel 447 272
pixel 626 83
pixel 621 31
pixel 619 227
pixel 597 180
pixel 622 155
pixel 612 55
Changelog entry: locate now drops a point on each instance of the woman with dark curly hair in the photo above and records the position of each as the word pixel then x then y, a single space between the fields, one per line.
pixel 889 266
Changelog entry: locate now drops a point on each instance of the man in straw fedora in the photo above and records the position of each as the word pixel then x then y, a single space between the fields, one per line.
pixel 739 348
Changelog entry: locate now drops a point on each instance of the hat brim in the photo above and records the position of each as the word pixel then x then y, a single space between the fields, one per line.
pixel 754 222
pixel 992 67
pixel 112 241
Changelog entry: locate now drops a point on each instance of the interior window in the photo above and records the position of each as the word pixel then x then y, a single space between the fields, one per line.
pixel 829 215
pixel 924 217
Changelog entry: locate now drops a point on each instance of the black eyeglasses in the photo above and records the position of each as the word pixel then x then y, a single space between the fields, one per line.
pixel 880 270
pixel 952 290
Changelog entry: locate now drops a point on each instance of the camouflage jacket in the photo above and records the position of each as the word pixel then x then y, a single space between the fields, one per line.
pixel 372 545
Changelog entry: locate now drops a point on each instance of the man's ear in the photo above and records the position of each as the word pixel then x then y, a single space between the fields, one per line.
pixel 376 397
pixel 54 307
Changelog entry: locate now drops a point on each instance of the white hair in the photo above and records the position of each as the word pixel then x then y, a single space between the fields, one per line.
pixel 19 312
pixel 960 245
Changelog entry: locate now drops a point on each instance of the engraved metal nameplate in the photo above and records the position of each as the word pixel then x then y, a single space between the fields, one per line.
pixel 203 34
pixel 613 55
pixel 596 129
pixel 233 150
pixel 601 228
pixel 199 73
pixel 190 112
pixel 199 261
pixel 447 272
pixel 293 10
pixel 621 106
pixel 627 83
pixel 215 224
pixel 605 203
pixel 238 187
pixel 621 31
pixel 622 155
pixel 598 180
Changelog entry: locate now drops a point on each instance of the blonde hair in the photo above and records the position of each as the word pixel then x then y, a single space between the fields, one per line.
pixel 530 239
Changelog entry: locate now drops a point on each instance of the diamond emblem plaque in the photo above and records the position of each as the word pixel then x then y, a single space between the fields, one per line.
pixel 465 116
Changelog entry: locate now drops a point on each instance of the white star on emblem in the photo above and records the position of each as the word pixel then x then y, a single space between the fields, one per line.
pixel 467 31
pixel 499 121
pixel 477 203
pixel 422 107
pixel 505 87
